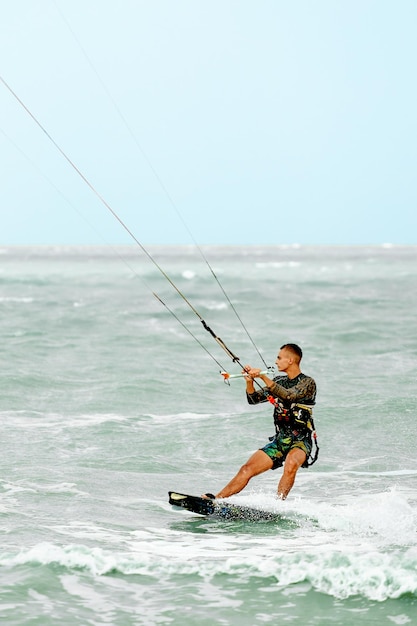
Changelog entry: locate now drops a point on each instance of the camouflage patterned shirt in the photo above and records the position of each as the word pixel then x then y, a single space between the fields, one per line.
pixel 301 389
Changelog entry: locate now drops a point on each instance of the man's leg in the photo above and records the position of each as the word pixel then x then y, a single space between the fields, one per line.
pixel 259 462
pixel 293 462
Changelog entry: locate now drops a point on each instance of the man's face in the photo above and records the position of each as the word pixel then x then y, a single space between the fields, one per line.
pixel 284 360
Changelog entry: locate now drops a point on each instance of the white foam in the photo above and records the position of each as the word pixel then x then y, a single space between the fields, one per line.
pixel 188 274
pixel 266 264
pixel 23 300
pixel 216 306
pixel 181 417
pixel 38 420
pixel 341 572
pixel 386 517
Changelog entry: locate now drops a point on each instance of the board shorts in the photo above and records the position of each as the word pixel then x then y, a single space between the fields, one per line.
pixel 282 443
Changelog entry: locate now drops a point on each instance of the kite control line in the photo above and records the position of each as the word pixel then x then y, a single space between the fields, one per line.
pixel 219 341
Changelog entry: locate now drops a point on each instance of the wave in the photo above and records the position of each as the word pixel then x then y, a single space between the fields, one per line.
pixel 341 573
pixel 37 420
pixel 275 264
pixel 17 299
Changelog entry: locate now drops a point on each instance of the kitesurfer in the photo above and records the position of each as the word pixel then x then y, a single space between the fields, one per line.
pixel 293 395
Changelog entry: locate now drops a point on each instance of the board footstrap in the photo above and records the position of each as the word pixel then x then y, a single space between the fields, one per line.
pixel 202 506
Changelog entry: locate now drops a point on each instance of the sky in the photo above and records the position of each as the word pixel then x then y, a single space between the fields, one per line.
pixel 229 122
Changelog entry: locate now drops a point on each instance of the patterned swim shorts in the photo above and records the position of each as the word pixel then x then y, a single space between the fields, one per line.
pixel 282 443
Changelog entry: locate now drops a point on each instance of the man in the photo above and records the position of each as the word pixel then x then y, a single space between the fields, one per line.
pixel 293 396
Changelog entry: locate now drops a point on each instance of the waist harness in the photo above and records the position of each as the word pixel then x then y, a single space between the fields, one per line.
pixel 298 418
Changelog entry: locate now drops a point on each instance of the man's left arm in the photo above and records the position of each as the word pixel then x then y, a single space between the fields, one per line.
pixel 305 389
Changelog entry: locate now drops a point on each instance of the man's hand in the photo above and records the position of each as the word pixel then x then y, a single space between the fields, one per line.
pixel 251 372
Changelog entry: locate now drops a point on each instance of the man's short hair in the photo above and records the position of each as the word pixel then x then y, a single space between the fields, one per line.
pixel 296 350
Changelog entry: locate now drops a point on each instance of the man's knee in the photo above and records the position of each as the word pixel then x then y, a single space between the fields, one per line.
pixel 294 461
pixel 259 462
pixel 246 470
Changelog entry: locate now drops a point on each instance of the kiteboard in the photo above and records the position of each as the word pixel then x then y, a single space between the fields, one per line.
pixel 222 509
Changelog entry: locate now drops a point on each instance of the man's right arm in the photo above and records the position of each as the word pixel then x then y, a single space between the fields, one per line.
pixel 254 396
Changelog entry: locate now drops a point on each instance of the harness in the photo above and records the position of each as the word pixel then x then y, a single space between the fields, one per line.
pixel 298 418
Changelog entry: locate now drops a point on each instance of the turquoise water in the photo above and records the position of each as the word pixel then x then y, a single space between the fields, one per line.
pixel 108 403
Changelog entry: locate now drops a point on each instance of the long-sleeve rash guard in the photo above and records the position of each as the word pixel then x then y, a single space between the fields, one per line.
pixel 301 389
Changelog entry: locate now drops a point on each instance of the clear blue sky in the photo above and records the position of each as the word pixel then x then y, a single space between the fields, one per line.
pixel 266 121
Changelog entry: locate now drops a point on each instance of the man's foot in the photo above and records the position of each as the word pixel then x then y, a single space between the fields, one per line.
pixel 208 496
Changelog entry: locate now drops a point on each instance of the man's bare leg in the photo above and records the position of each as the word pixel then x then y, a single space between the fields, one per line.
pixel 293 462
pixel 259 462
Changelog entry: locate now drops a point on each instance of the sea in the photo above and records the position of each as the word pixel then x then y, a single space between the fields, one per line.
pixel 111 396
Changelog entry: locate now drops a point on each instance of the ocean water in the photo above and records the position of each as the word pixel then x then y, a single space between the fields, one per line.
pixel 108 402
